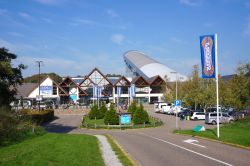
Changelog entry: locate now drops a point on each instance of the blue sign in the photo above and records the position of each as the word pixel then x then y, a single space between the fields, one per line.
pixel 73 97
pixel 46 90
pixel 125 119
pixel 207 45
pixel 177 103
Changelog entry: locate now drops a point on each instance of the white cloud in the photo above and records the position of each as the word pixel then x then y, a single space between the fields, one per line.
pixel 80 21
pixel 209 24
pixel 15 34
pixel 247 4
pixel 112 13
pixel 247 29
pixel 3 12
pixel 47 20
pixel 118 38
pixel 48 2
pixel 177 40
pixel 18 47
pixel 190 2
pixel 25 15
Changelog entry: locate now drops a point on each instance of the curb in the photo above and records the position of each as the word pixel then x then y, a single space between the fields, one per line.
pixel 123 150
pixel 217 141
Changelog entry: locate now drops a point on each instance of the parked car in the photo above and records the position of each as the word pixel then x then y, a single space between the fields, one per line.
pixel 42 106
pixel 211 118
pixel 185 112
pixel 197 116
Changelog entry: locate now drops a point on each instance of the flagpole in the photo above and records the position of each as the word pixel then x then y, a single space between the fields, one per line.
pixel 217 87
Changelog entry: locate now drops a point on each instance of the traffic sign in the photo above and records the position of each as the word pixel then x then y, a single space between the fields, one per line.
pixel 177 103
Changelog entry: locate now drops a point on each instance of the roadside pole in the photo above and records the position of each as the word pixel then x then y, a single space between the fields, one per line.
pixel 217 87
pixel 209 65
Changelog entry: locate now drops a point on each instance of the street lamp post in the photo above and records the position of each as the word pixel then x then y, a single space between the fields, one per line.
pixel 39 66
pixel 176 91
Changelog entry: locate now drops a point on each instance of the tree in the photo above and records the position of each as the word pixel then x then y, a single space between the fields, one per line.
pixel 140 115
pixel 132 107
pixel 35 78
pixel 111 116
pixel 103 109
pixel 10 76
pixel 95 112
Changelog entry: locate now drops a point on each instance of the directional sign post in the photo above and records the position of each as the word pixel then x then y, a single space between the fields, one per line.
pixel 177 104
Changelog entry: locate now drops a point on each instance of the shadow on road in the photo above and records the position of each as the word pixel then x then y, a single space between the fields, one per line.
pixel 58 128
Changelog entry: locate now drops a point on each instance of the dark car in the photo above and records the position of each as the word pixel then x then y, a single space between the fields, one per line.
pixel 185 112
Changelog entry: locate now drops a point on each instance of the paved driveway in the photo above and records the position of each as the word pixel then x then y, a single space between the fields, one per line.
pixel 158 146
pixel 64 123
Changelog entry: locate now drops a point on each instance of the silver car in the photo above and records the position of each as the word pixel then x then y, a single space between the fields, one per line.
pixel 211 118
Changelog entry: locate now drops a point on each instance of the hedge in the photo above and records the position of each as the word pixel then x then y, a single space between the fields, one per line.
pixel 40 117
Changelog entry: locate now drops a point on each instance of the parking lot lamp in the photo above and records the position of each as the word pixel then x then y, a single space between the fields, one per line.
pixel 39 66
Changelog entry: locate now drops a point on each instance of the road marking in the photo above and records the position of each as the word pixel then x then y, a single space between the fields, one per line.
pixel 190 141
pixel 211 158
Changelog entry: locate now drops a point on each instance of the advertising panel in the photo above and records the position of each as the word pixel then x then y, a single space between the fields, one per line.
pixel 46 90
pixel 207 45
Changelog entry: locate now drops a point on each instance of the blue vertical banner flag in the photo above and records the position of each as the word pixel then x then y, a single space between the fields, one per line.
pixel 119 91
pixel 133 90
pixel 99 91
pixel 207 45
pixel 95 91
pixel 129 92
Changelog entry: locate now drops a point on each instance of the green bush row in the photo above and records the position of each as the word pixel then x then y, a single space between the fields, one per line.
pixel 40 117
pixel 14 127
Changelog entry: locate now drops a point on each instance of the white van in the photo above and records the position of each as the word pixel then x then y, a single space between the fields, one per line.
pixel 168 109
pixel 159 107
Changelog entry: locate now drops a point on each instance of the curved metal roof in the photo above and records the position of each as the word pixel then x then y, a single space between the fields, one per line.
pixel 138 58
pixel 148 67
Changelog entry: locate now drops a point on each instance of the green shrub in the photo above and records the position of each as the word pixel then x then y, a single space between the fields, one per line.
pixel 111 117
pixel 15 127
pixel 132 108
pixel 40 117
pixel 140 116
pixel 103 109
pixel 94 112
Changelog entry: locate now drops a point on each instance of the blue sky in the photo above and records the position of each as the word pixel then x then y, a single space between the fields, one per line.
pixel 74 36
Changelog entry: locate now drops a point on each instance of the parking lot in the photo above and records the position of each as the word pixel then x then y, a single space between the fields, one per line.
pixel 170 121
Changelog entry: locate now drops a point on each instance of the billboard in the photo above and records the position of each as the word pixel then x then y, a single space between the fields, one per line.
pixel 207 46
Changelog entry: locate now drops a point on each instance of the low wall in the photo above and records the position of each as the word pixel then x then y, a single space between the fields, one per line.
pixel 71 111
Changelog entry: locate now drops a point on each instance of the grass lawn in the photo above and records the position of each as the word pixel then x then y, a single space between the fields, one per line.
pixel 53 149
pixel 236 133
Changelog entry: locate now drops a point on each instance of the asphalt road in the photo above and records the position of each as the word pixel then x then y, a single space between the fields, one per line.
pixel 158 146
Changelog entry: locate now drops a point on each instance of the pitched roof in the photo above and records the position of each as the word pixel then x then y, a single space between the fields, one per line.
pixel 156 81
pixel 139 81
pixel 123 81
pixel 24 89
pixel 96 69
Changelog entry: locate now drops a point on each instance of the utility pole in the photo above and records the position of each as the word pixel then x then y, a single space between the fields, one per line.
pixel 39 82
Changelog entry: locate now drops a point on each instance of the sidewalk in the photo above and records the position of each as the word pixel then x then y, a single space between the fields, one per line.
pixel 108 154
